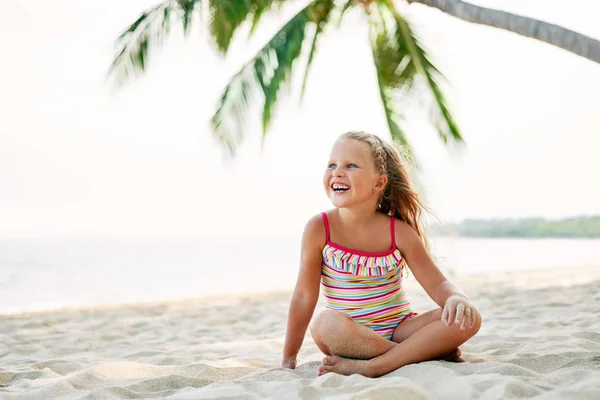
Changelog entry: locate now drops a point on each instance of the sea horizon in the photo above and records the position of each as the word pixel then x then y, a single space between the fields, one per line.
pixel 50 274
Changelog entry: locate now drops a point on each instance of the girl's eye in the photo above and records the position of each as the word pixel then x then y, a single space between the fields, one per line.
pixel 331 165
pixel 352 165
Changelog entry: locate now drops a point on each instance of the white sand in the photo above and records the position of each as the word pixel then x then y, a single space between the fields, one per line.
pixel 540 338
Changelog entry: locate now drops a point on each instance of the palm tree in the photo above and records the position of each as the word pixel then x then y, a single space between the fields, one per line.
pixel 404 69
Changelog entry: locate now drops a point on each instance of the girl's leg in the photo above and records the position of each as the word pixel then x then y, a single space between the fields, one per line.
pixel 336 334
pixel 428 342
pixel 410 326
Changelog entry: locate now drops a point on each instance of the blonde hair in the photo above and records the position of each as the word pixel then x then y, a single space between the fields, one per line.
pixel 398 199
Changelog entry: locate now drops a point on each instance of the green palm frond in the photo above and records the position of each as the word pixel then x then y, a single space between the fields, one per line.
pixel 392 115
pixel 424 75
pixel 264 75
pixel 226 16
pixel 261 7
pixel 187 11
pixel 394 76
pixel 348 4
pixel 320 17
pixel 147 32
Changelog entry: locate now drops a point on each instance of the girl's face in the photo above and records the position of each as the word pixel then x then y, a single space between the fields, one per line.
pixel 351 177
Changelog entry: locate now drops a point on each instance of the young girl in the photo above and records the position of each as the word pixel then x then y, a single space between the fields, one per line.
pixel 357 252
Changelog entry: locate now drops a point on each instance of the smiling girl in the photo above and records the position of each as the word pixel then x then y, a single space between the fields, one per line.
pixel 357 253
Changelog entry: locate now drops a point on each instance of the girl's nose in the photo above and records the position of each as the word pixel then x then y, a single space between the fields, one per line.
pixel 338 172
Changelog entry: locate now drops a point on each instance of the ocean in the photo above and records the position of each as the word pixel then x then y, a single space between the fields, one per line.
pixel 42 274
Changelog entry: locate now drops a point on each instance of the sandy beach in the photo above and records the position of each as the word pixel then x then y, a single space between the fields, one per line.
pixel 540 339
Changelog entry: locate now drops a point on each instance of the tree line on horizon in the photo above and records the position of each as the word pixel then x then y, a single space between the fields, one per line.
pixel 574 227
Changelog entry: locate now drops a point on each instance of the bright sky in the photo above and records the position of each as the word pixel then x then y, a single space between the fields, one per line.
pixel 78 158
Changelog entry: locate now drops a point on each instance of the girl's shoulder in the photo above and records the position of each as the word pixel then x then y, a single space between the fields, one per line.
pixel 317 222
pixel 315 231
pixel 406 235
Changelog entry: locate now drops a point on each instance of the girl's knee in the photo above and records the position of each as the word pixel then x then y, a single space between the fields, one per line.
pixel 475 328
pixel 325 322
pixel 478 322
pixel 469 331
pixel 325 325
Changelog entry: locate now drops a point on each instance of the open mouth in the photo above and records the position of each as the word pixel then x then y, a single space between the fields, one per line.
pixel 340 187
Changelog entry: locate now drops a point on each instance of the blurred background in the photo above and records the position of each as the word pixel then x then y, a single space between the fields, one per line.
pixel 112 194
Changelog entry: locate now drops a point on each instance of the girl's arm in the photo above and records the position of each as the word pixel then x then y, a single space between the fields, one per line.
pixel 429 276
pixel 306 292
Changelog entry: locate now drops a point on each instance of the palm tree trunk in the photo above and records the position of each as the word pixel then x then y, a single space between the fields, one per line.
pixel 566 39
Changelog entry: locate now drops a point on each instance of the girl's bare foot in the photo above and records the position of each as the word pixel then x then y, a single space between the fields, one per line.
pixel 343 366
pixel 347 366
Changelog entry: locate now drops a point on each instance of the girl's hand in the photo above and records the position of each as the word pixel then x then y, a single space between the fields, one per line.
pixel 458 310
pixel 290 362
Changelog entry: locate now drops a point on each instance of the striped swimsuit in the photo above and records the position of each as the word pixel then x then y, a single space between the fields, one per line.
pixel 366 286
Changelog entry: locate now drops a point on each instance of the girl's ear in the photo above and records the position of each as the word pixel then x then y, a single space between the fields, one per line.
pixel 380 184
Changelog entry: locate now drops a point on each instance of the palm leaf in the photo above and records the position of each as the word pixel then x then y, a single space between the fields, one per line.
pixel 394 75
pixel 349 4
pixel 228 15
pixel 320 18
pixel 393 118
pixel 265 74
pixel 187 11
pixel 419 63
pixel 146 33
pixel 260 8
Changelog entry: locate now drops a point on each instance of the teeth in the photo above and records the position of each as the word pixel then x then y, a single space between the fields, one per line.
pixel 339 187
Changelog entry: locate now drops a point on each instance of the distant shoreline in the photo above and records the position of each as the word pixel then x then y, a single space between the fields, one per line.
pixel 585 227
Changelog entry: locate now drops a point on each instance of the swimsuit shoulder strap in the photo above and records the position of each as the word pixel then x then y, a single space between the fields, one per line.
pixel 326 222
pixel 393 231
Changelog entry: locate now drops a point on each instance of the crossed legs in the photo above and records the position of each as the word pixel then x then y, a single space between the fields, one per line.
pixel 352 348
